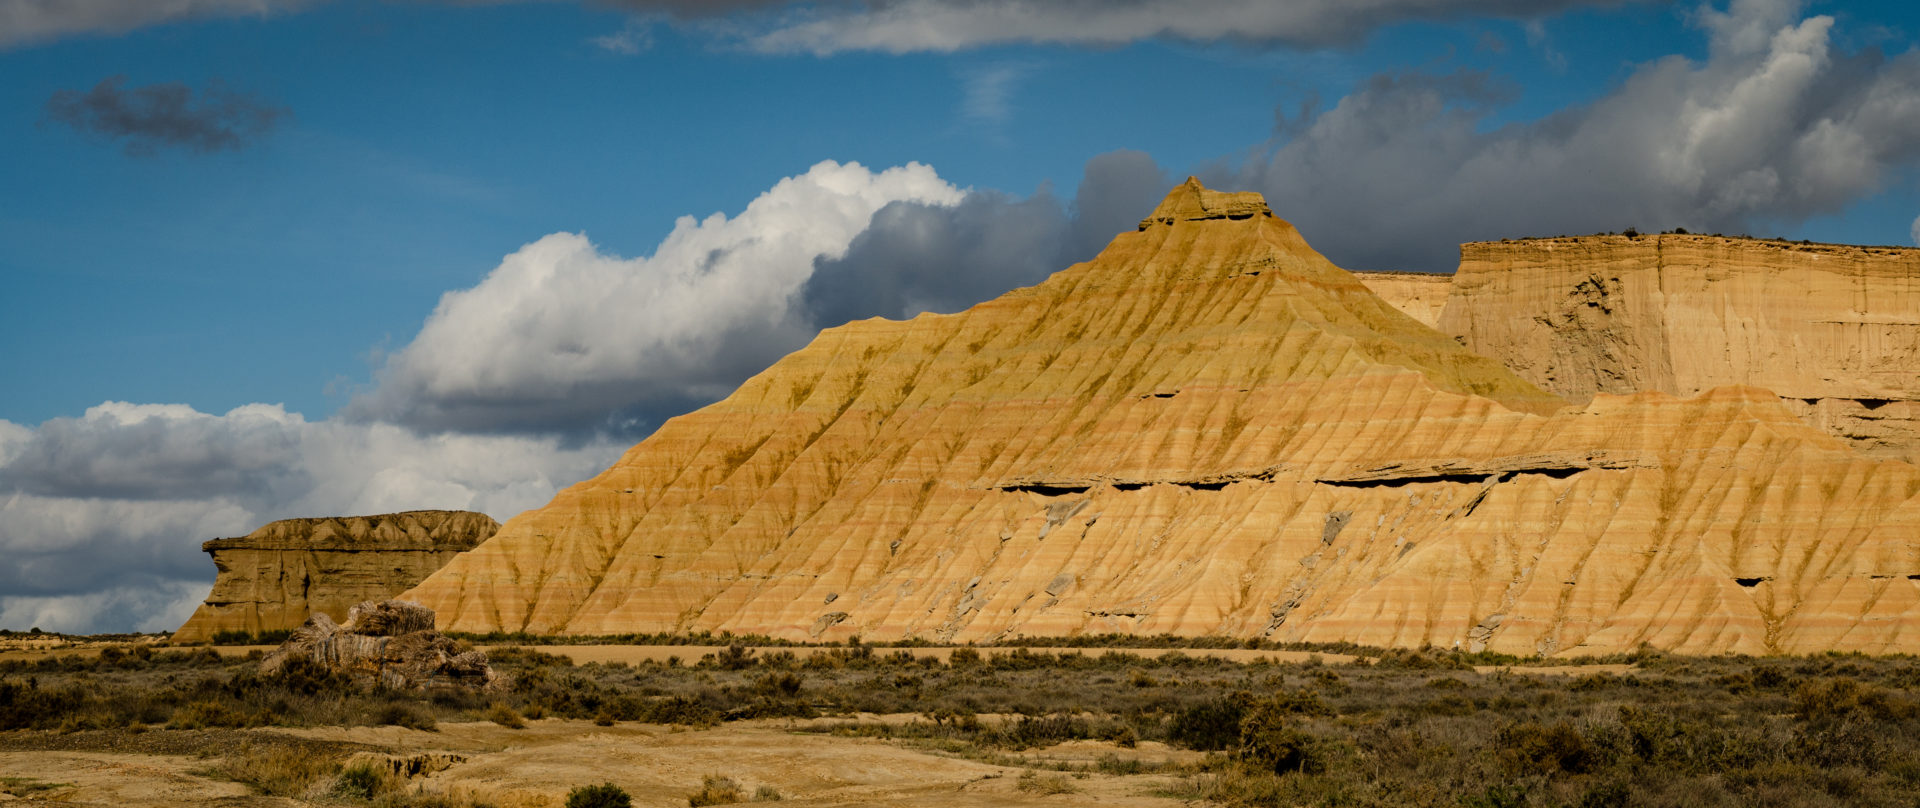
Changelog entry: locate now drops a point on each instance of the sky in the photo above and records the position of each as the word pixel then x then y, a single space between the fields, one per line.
pixel 263 259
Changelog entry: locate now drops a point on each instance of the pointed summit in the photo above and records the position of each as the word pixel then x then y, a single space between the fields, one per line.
pixel 1190 201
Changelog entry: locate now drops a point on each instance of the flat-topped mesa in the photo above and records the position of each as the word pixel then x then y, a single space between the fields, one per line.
pixel 1192 202
pixel 1832 329
pixel 1210 430
pixel 275 577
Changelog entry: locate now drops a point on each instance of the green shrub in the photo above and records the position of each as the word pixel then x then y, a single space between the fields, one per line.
pixel 1535 749
pixel 1212 725
pixel 605 795
pixel 681 710
pixel 208 713
pixel 405 714
pixel 1271 741
pixel 1843 699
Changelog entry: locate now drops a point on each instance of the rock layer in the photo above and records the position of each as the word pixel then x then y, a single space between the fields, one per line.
pixel 1209 429
pixel 1834 330
pixel 390 643
pixel 273 578
pixel 1419 295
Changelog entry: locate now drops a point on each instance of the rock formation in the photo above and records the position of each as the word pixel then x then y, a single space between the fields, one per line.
pixel 1834 330
pixel 1419 295
pixel 390 643
pixel 1209 429
pixel 273 578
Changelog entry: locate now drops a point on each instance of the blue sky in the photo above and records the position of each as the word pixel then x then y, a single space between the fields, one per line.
pixel 262 303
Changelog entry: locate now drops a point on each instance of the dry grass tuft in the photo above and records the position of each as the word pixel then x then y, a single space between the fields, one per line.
pixel 277 770
pixel 503 714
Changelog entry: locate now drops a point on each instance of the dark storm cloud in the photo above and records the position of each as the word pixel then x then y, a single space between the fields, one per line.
pixel 905 26
pixel 896 26
pixel 1772 128
pixel 170 114
pixel 564 339
pixel 29 21
pixel 917 257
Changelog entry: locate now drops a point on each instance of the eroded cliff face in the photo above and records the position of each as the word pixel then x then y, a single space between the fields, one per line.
pixel 1419 295
pixel 1209 429
pixel 1834 330
pixel 274 578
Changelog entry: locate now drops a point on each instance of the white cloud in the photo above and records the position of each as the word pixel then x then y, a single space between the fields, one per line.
pixel 561 336
pixel 949 25
pixel 988 91
pixel 1915 232
pixel 1773 127
pixel 631 39
pixel 102 516
pixel 160 607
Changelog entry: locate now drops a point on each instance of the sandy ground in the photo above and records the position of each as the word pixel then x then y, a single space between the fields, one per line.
pixel 536 767
pixel 117 779
pixel 659 766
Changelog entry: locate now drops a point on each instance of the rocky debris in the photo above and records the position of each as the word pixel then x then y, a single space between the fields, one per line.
pixel 1216 432
pixel 271 579
pixel 392 643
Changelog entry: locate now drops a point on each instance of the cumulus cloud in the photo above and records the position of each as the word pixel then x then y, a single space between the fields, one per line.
pixel 1773 126
pixel 24 22
pixel 904 26
pixel 563 337
pixel 917 257
pixel 160 115
pixel 101 516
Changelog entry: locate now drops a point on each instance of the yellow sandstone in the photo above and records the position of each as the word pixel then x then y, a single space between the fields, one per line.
pixel 1210 429
pixel 1834 330
pixel 274 578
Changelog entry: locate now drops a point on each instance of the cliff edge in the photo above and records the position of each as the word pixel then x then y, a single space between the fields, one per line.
pixel 1833 330
pixel 274 578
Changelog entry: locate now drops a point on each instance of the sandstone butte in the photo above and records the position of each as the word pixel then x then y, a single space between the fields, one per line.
pixel 1209 429
pixel 1834 330
pixel 273 578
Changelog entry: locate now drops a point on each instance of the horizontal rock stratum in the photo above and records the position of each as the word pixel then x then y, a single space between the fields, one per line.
pixel 1834 330
pixel 1210 429
pixel 274 578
